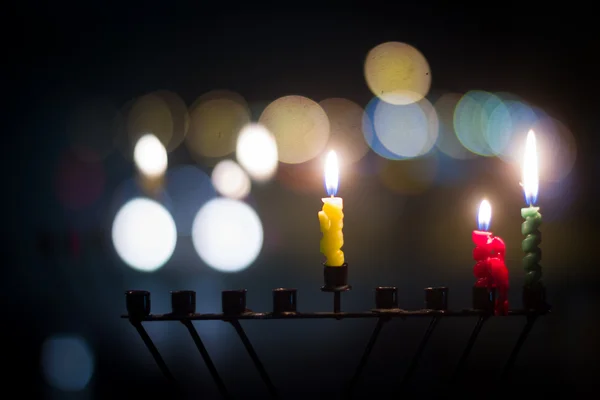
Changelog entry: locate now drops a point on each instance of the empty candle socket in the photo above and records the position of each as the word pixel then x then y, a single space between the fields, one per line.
pixel 484 299
pixel 436 298
pixel 233 301
pixel 183 302
pixel 284 301
pixel 138 303
pixel 386 297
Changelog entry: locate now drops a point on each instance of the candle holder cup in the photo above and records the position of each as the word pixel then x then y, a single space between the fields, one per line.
pixel 183 302
pixel 336 282
pixel 335 278
pixel 386 298
pixel 137 303
pixel 534 298
pixel 233 302
pixel 484 299
pixel 436 298
pixel 284 301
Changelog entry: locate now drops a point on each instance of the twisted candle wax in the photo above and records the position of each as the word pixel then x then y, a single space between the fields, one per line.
pixel 489 252
pixel 490 269
pixel 331 219
pixel 530 245
pixel 532 216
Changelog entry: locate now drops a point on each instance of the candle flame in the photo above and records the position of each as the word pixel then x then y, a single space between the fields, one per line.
pixel 485 215
pixel 332 173
pixel 530 170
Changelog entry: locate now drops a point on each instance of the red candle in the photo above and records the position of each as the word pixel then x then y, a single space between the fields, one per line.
pixel 489 252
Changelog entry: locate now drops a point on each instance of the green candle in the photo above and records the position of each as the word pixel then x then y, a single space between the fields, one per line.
pixel 531 245
pixel 530 228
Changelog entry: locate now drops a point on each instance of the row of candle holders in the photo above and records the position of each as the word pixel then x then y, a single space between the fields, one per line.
pixel 233 302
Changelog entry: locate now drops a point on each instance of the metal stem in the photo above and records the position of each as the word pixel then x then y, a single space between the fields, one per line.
pixel 365 356
pixel 515 352
pixel 206 357
pixel 415 360
pixel 465 354
pixel 337 302
pixel 153 350
pixel 257 363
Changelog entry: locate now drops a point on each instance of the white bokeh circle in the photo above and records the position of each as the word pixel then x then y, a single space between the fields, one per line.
pixel 144 234
pixel 150 156
pixel 231 180
pixel 227 234
pixel 257 152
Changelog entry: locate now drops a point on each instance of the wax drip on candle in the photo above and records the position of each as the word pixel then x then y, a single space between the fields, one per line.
pixel 533 218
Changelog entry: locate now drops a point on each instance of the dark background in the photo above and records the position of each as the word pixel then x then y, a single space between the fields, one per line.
pixel 60 54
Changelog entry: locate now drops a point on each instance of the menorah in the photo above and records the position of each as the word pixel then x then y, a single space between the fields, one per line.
pixel 234 310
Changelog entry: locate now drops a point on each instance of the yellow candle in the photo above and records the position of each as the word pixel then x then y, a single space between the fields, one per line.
pixel 331 217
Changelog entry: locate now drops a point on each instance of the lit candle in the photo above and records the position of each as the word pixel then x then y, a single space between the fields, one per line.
pixel 331 217
pixel 490 269
pixel 481 253
pixel 532 216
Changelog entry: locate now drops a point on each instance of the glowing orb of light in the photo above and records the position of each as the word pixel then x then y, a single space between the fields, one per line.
pixel 230 180
pixel 397 73
pixel 227 234
pixel 256 152
pixel 144 234
pixel 150 156
pixel 300 126
pixel 67 363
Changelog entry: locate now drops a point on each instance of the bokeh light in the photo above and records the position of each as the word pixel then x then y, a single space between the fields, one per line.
pixel 470 123
pixel 150 156
pixel 557 149
pixel 256 151
pixel 300 126
pixel 397 73
pixel 346 136
pixel 401 131
pixel 522 117
pixel 67 362
pixel 144 234
pixel 216 120
pixel 230 180
pixel 180 118
pixel 448 142
pixel 150 114
pixel 227 234
pixel 490 124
